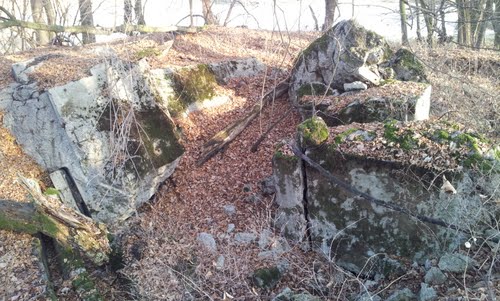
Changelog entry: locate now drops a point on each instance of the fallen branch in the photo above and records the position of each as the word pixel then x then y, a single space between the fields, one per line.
pixel 227 135
pixel 368 197
pixel 255 146
pixel 68 227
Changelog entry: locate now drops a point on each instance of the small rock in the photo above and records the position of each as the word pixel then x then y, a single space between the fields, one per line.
pixel 426 293
pixel 402 295
pixel 229 209
pixel 219 265
pixel 245 238
pixel 264 238
pixel 288 295
pixel 267 277
pixel 230 228
pixel 207 241
pixel 253 198
pixel 355 86
pixel 455 263
pixel 434 276
pixel 370 284
pixel 247 187
pixel 267 186
pixel 366 296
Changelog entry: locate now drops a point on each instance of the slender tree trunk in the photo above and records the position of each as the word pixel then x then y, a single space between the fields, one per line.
pixel 139 13
pixel 464 23
pixel 231 6
pixel 429 23
pixel 485 17
pixel 127 12
pixel 495 20
pixel 86 19
pixel 190 13
pixel 316 26
pixel 330 7
pixel 419 30
pixel 42 37
pixel 404 30
pixel 442 19
pixel 209 16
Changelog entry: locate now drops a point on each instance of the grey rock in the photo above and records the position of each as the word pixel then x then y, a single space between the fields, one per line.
pixel 236 68
pixel 265 238
pixel 245 238
pixel 267 277
pixel 229 209
pixel 288 295
pixel 455 263
pixel 402 295
pixel 72 127
pixel 407 66
pixel 366 296
pixel 426 293
pixel 6 96
pixel 434 276
pixel 253 198
pixel 267 186
pixel 219 265
pixel 207 241
pixel 290 217
pixel 355 86
pixel 345 53
pixel 230 228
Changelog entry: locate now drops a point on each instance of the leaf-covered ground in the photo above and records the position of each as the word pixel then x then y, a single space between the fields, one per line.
pixel 163 260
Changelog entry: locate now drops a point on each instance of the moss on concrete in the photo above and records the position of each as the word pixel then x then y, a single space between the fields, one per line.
pixel 191 85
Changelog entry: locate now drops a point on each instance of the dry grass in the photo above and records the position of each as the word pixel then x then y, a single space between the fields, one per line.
pixel 466 86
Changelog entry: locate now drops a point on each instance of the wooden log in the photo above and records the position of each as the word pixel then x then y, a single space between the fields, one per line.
pixel 68 227
pixel 227 135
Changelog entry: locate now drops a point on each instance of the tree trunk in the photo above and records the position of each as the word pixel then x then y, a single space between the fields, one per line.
pixel 316 26
pixel 37 7
pixel 191 13
pixel 443 35
pixel 231 6
pixel 127 12
pixel 485 17
pixel 495 20
pixel 139 13
pixel 464 23
pixel 86 19
pixel 404 30
pixel 417 11
pixel 207 12
pixel 429 23
pixel 68 227
pixel 330 7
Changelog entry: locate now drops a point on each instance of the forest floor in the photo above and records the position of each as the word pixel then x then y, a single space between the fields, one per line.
pixel 163 259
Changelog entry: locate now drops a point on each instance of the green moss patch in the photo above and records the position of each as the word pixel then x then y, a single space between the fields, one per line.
pixel 314 131
pixel 192 85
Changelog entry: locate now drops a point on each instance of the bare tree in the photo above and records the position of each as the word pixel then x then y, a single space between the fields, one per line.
pixel 127 12
pixel 330 7
pixel 43 13
pixel 139 13
pixel 208 14
pixel 495 20
pixel 404 30
pixel 86 19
